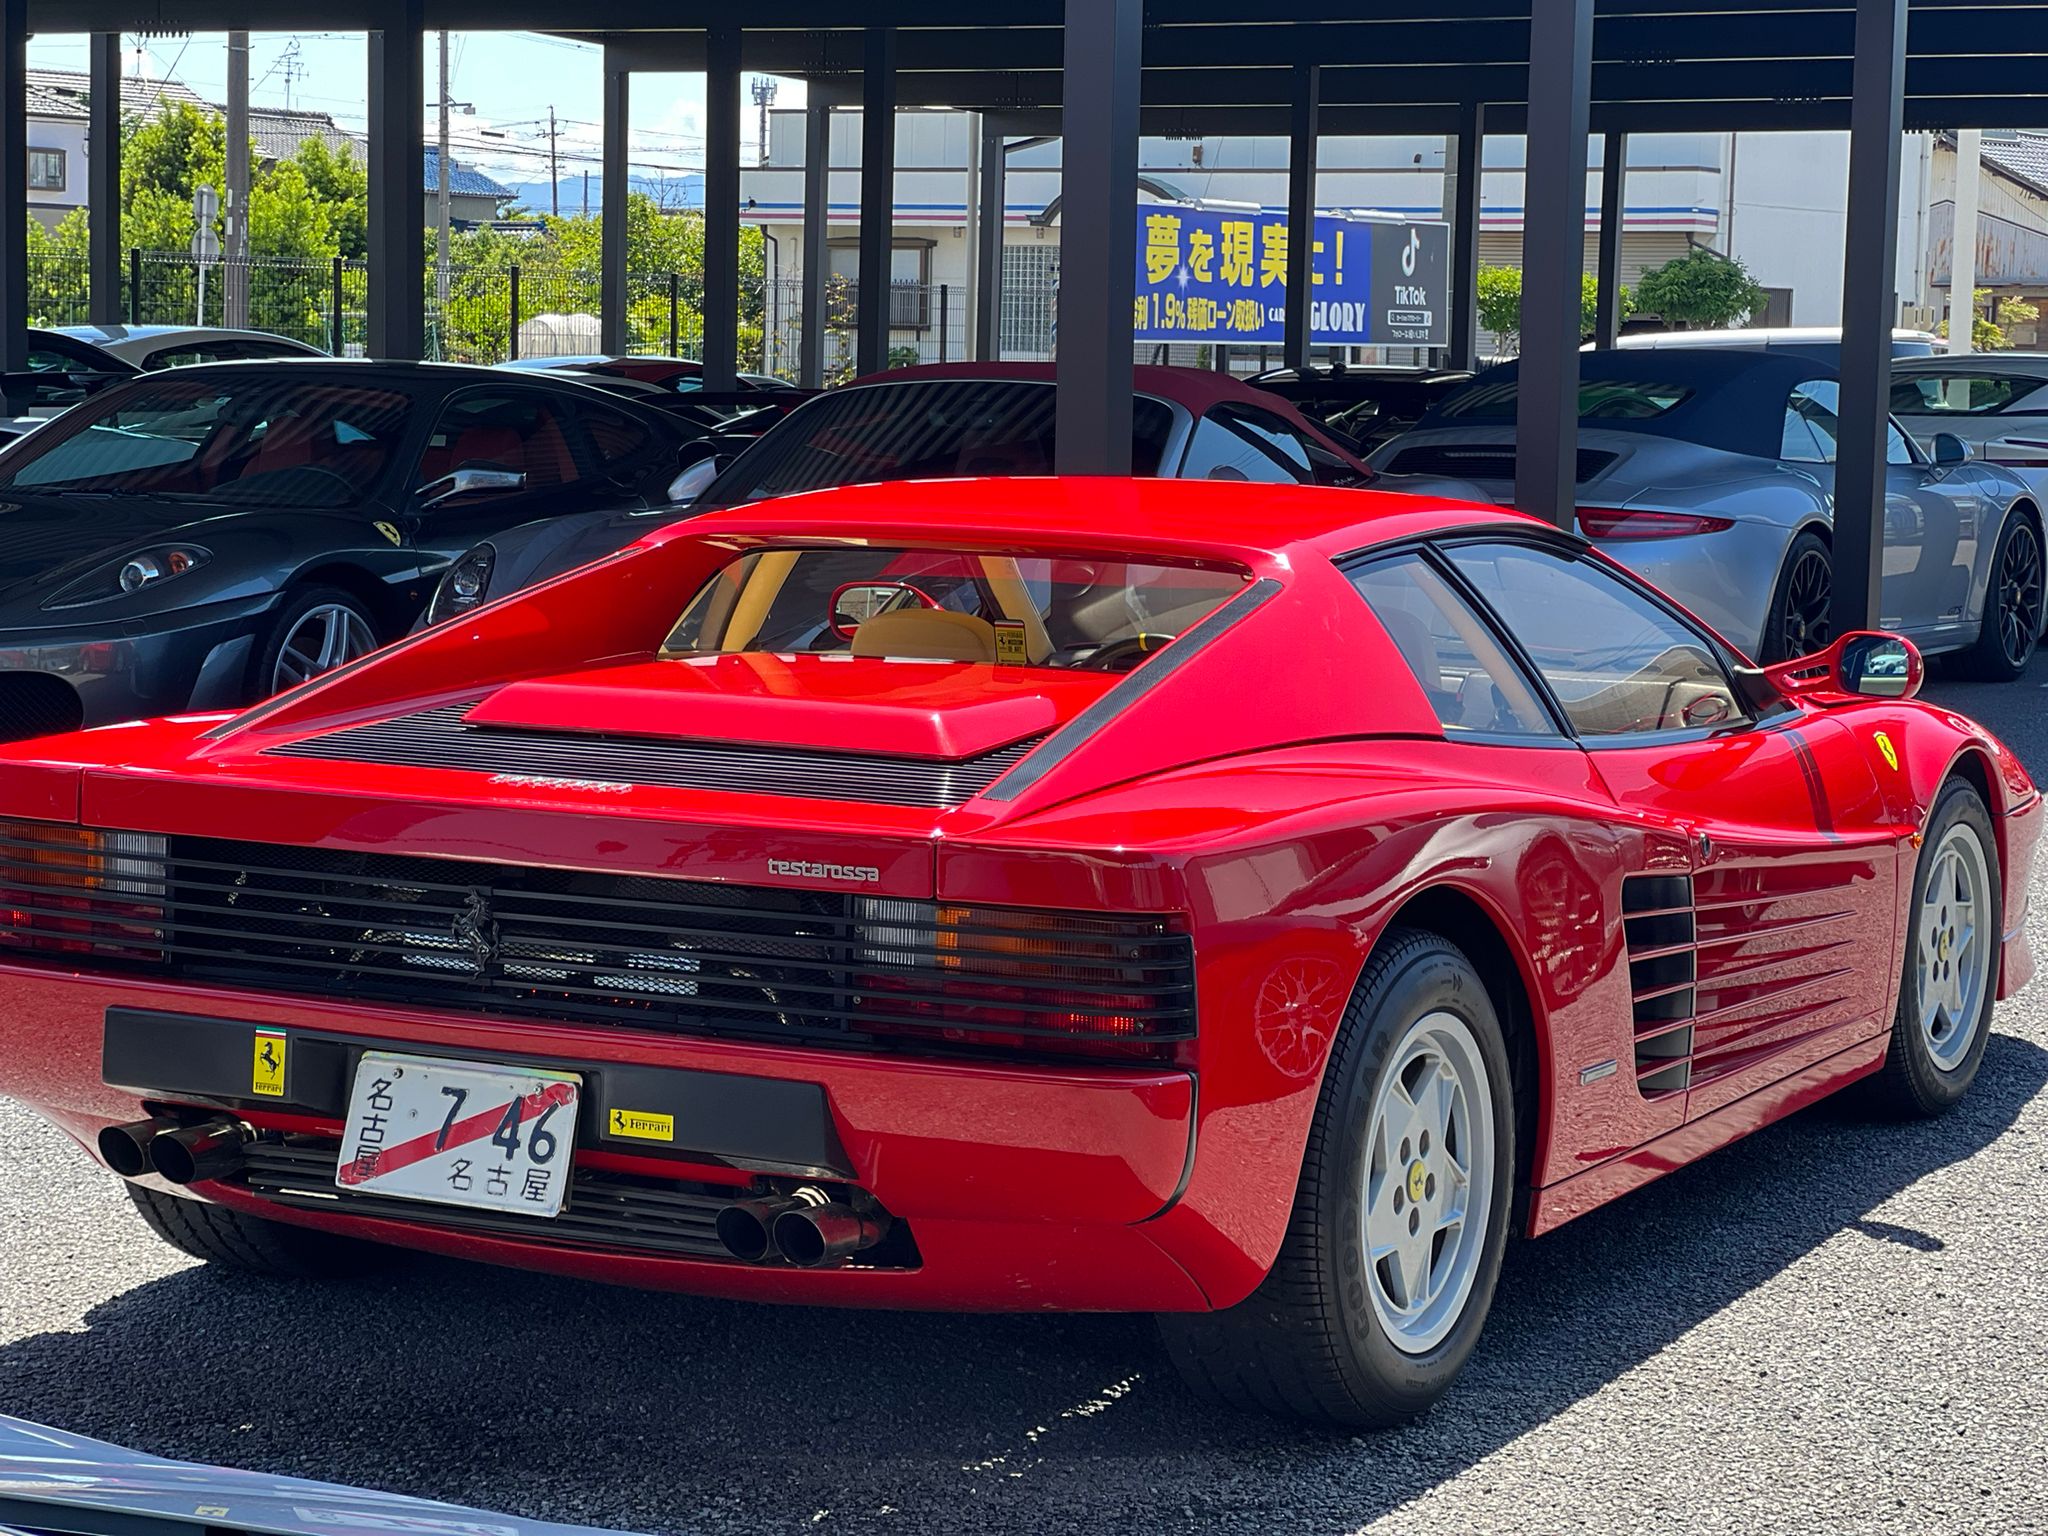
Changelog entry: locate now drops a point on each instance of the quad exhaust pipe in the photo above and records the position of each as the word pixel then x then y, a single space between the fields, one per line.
pixel 211 1149
pixel 809 1228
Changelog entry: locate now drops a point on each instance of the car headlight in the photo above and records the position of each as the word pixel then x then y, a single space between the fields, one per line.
pixel 132 573
pixel 466 585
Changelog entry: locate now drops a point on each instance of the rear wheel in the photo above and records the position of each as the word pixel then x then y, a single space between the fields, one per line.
pixel 1801 619
pixel 1952 956
pixel 237 1241
pixel 2012 605
pixel 1390 1260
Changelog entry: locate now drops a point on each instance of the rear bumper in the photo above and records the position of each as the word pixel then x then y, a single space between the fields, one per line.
pixel 1024 1188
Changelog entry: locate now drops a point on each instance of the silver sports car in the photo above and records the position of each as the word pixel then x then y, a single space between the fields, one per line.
pixel 1712 474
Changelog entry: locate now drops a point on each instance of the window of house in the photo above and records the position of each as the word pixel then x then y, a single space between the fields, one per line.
pixel 910 279
pixel 46 170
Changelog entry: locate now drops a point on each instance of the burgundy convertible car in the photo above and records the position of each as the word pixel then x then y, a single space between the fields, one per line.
pixel 1240 903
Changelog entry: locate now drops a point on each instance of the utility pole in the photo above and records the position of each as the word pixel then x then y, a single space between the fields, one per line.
pixel 1962 245
pixel 441 191
pixel 235 274
pixel 586 193
pixel 554 170
pixel 764 90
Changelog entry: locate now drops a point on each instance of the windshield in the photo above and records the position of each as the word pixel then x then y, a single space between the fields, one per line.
pixel 292 442
pixel 938 605
pixel 933 429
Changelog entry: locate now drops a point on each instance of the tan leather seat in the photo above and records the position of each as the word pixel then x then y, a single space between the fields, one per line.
pixel 927 634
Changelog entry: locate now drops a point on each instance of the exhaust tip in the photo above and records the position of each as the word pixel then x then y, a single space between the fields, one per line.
pixel 799 1240
pixel 744 1233
pixel 198 1152
pixel 125 1148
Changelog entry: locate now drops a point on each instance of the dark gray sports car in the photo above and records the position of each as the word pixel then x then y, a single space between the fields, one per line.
pixel 201 538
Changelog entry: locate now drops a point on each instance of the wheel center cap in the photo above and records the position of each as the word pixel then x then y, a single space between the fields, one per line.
pixel 1418 1180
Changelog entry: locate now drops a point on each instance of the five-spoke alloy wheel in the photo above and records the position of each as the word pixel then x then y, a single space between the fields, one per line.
pixel 315 632
pixel 1389 1261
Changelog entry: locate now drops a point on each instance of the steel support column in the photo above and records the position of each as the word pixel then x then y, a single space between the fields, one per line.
pixel 1553 258
pixel 877 196
pixel 1468 174
pixel 1098 234
pixel 988 253
pixel 13 186
pixel 1613 204
pixel 722 119
pixel 1869 310
pixel 103 181
pixel 817 258
pixel 611 261
pixel 1301 213
pixel 398 207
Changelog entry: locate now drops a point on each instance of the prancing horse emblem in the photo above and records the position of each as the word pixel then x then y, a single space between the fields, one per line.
pixel 476 930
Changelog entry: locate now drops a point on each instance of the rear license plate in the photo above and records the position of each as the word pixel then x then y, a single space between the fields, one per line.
pixel 456 1133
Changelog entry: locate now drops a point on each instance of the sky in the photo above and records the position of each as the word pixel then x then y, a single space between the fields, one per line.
pixel 509 80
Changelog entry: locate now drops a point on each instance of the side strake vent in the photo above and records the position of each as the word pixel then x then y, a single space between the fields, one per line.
pixel 1657 922
pixel 438 738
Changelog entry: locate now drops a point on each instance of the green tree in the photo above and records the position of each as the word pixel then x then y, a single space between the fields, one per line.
pixel 1987 328
pixel 1701 290
pixel 1500 303
pixel 341 183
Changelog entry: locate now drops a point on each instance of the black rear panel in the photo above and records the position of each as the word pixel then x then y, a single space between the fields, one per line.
pixel 641 952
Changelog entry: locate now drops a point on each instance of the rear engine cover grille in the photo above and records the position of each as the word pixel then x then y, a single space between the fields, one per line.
pixel 1482 463
pixel 604 1210
pixel 640 952
pixel 438 738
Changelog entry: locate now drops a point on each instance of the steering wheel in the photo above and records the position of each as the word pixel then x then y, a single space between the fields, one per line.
pixel 1122 655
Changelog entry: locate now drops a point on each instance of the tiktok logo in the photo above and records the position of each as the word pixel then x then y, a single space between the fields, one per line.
pixel 1408 252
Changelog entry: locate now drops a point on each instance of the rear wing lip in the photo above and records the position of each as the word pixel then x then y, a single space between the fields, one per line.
pixel 1070 737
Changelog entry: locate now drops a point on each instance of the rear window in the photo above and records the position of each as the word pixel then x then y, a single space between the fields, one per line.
pixel 937 429
pixel 1968 394
pixel 942 605
pixel 1599 400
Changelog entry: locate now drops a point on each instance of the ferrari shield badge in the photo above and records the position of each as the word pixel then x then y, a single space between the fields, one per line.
pixel 1889 752
pixel 389 532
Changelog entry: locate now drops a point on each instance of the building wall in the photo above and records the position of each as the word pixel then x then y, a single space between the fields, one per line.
pixel 66 134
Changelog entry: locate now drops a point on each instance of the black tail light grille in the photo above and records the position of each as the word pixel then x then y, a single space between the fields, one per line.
pixel 1663 956
pixel 439 738
pixel 640 952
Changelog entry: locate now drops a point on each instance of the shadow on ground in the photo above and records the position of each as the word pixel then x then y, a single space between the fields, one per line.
pixel 572 1401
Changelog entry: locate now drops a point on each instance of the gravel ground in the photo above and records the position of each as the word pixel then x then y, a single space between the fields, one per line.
pixel 1833 1323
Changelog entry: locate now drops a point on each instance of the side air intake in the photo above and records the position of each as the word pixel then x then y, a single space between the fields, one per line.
pixel 1657 923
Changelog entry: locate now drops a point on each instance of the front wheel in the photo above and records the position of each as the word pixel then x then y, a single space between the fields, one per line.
pixel 1400 1219
pixel 316 631
pixel 2012 605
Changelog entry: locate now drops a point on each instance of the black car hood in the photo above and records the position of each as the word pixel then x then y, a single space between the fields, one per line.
pixel 48 540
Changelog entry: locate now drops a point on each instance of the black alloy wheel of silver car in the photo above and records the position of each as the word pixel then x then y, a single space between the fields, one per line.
pixel 1400 1220
pixel 318 630
pixel 2012 604
pixel 1802 609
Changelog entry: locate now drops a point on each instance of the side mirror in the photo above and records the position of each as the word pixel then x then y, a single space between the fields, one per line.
pixel 470 482
pixel 696 480
pixel 1949 450
pixel 1866 663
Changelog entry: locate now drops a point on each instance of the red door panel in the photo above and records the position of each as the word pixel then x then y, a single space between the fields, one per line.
pixel 1793 904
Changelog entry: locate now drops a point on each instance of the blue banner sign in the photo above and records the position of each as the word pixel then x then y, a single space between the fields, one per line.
pixel 1220 275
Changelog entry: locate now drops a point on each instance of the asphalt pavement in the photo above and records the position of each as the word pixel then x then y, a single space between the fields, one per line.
pixel 1834 1324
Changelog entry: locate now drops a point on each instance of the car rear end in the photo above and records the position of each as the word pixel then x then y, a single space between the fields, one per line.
pixel 779 1016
